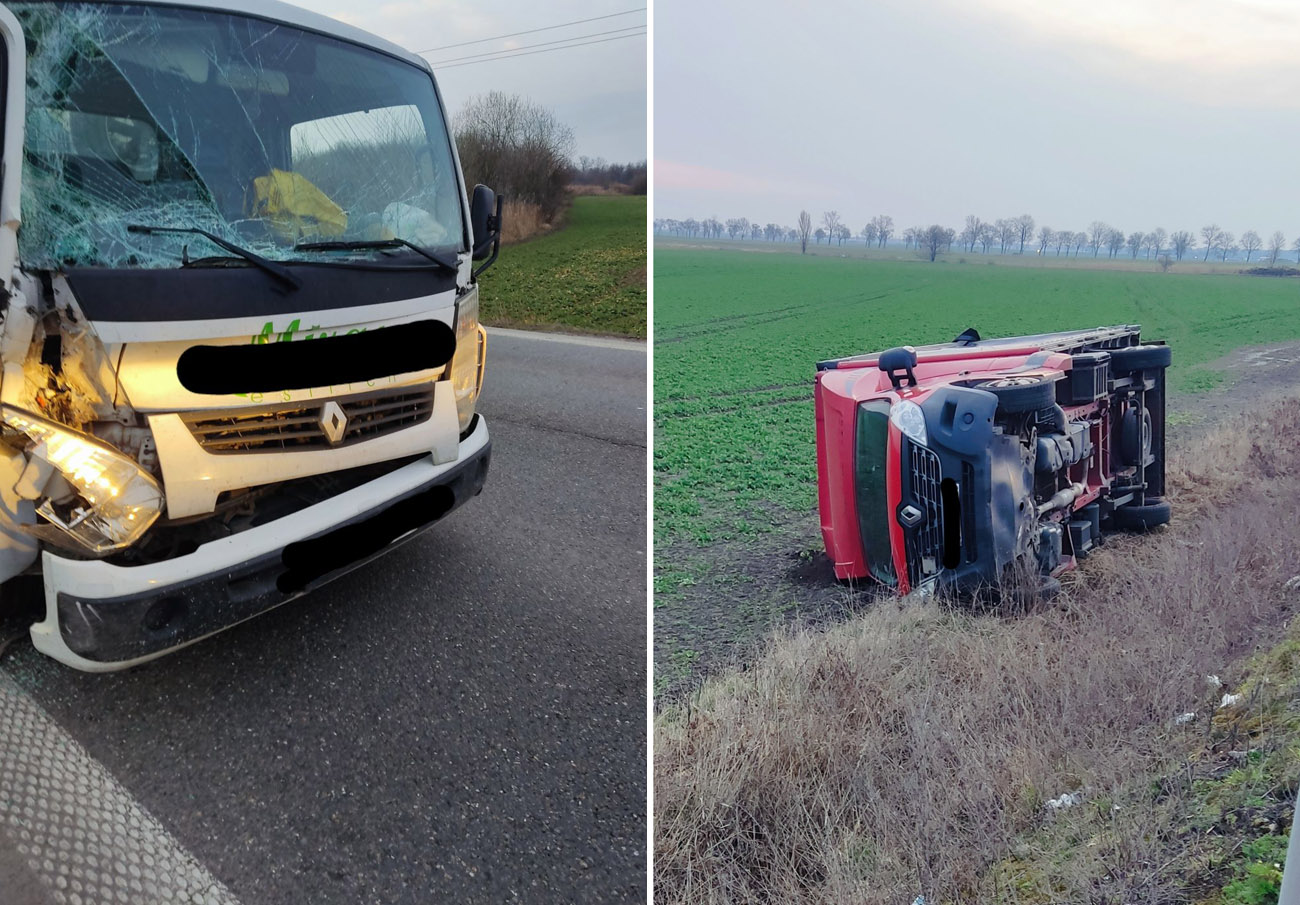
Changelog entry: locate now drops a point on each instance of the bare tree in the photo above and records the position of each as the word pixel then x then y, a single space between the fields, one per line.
pixel 1181 241
pixel 884 229
pixel 936 238
pixel 831 220
pixel 1005 231
pixel 1276 243
pixel 869 233
pixel 1211 234
pixel 1157 238
pixel 1250 243
pixel 1024 230
pixel 971 234
pixel 1045 236
pixel 1080 240
pixel 805 230
pixel 517 147
pixel 1097 233
pixel 1296 246
pixel 820 234
pixel 988 235
pixel 1227 245
pixel 1114 241
pixel 1135 243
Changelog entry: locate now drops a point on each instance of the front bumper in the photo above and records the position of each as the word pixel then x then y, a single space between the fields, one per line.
pixel 102 617
pixel 991 481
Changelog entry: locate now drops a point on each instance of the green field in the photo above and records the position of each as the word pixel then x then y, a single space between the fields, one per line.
pixel 736 336
pixel 589 276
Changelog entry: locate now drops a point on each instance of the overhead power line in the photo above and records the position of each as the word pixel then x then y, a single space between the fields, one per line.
pixel 510 55
pixel 511 50
pixel 515 34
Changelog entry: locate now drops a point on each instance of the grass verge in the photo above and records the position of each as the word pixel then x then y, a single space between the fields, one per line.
pixel 913 750
pixel 589 276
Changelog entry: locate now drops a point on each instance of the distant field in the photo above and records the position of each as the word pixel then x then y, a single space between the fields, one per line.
pixel 736 336
pixel 589 276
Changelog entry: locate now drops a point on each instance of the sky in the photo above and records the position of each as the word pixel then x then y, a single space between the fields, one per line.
pixel 598 90
pixel 1138 113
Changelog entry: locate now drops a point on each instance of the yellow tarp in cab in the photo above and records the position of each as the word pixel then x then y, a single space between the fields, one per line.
pixel 295 208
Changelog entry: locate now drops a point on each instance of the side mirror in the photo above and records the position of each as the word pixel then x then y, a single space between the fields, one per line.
pixel 901 358
pixel 485 221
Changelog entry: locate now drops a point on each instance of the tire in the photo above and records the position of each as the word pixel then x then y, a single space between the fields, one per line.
pixel 1017 395
pixel 1135 444
pixel 1139 358
pixel 1142 518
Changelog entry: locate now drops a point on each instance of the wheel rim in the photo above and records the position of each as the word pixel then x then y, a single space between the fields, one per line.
pixel 1005 382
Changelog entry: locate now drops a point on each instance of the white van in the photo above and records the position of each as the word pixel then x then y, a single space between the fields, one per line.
pixel 239 335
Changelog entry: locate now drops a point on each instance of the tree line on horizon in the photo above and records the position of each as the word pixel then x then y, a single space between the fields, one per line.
pixel 1009 235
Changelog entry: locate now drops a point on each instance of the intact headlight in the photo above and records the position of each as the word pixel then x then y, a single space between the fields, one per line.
pixel 104 501
pixel 908 417
pixel 468 360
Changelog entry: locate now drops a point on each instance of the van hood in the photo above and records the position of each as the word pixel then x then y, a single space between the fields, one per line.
pixel 169 305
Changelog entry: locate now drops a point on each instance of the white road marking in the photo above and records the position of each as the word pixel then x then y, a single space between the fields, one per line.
pixel 77 829
pixel 602 342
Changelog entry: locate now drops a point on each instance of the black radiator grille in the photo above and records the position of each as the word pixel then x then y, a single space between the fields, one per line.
pixel 299 427
pixel 925 541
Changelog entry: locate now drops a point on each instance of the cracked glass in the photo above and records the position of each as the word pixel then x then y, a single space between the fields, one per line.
pixel 262 134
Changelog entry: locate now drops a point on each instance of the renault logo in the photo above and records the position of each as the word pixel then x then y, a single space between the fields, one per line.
pixel 333 422
pixel 910 516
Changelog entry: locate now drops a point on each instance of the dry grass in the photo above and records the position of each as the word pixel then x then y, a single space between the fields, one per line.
pixel 521 220
pixel 903 753
pixel 616 188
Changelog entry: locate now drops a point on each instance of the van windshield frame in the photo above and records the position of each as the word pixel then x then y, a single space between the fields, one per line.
pixel 259 132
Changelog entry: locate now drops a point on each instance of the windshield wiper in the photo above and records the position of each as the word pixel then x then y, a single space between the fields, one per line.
pixel 436 258
pixel 279 271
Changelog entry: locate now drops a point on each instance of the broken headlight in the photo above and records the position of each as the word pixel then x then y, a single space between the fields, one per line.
pixel 85 491
pixel 467 362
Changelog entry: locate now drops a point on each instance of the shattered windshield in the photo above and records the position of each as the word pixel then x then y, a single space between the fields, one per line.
pixel 263 134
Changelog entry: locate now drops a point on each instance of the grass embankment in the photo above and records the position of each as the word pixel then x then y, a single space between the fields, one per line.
pixel 589 276
pixel 914 750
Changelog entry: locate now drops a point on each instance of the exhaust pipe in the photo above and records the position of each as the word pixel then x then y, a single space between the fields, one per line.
pixel 1061 499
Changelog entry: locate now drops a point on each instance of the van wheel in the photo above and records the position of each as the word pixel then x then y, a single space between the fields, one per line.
pixel 1142 518
pixel 1135 439
pixel 1017 395
pixel 1139 358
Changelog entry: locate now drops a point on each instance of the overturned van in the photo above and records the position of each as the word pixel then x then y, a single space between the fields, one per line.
pixel 240 339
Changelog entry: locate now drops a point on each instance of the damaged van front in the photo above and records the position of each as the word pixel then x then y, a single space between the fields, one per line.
pixel 240 339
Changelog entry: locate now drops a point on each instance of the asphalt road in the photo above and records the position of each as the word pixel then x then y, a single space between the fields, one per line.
pixel 462 720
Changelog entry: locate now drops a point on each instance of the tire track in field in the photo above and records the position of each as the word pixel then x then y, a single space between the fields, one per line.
pixel 712 330
pixel 710 326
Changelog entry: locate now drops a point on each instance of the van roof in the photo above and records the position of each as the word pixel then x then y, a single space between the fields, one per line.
pixel 296 16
